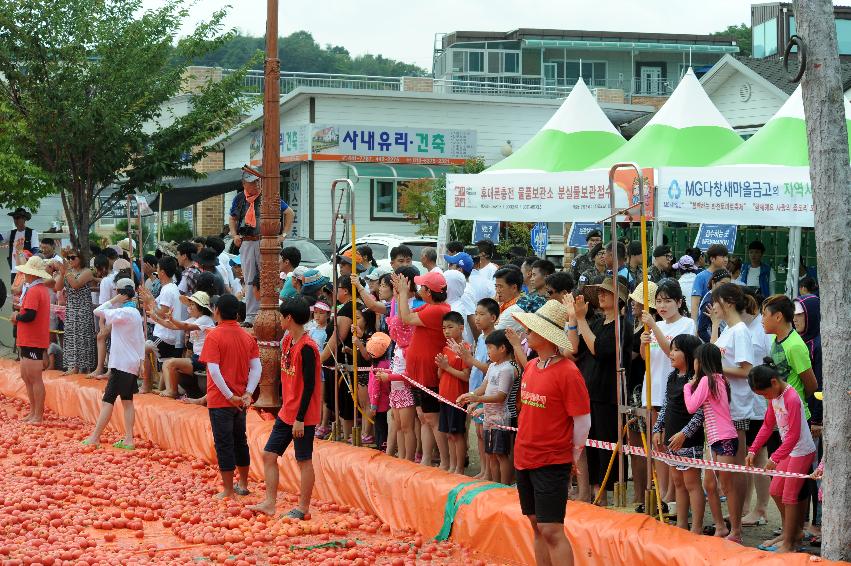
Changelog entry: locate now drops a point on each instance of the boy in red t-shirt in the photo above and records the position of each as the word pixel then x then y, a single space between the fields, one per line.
pixel 552 429
pixel 301 375
pixel 33 337
pixel 454 378
pixel 233 372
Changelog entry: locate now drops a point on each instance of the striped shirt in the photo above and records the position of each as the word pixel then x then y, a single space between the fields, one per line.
pixel 717 422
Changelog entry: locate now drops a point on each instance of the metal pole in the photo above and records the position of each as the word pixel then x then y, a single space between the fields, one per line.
pixel 349 191
pixel 356 430
pixel 160 220
pixel 266 326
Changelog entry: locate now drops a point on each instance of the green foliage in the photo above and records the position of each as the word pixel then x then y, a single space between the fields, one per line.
pixel 121 232
pixel 177 232
pixel 24 183
pixel 300 52
pixel 424 200
pixel 742 34
pixel 519 235
pixel 86 80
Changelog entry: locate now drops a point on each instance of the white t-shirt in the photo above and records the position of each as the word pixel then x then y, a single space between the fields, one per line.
pixel 197 337
pixel 736 347
pixel 107 288
pixel 436 269
pixel 660 363
pixel 127 340
pixel 686 283
pixel 479 287
pixel 506 320
pixel 169 297
pixel 761 348
pixel 488 271
pixel 500 377
pixel 753 277
pixel 19 235
pixel 465 307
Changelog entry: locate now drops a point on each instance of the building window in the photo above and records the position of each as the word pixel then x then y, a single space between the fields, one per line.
pixel 108 220
pixel 764 38
pixel 843 36
pixel 511 63
pixel 592 72
pixel 458 61
pixel 476 62
pixel 386 199
pixel 493 62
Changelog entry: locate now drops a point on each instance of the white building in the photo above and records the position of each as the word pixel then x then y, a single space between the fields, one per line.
pixel 408 135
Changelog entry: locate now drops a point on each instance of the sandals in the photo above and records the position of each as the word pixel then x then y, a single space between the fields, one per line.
pixel 736 539
pixel 85 442
pixel 758 523
pixel 121 446
pixel 640 508
pixel 296 514
pixel 239 490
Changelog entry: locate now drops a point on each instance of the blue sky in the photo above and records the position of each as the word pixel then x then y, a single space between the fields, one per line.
pixel 406 29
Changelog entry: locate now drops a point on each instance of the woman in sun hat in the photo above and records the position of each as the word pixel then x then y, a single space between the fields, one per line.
pixel 597 338
pixel 552 429
pixel 199 322
pixel 687 273
pixel 32 318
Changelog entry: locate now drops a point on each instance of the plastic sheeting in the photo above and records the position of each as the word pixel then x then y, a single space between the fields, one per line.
pixel 406 495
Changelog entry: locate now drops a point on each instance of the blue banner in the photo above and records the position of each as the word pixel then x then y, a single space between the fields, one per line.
pixel 716 234
pixel 486 230
pixel 579 231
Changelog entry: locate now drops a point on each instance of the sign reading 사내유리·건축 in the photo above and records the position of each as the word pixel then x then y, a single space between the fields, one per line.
pixel 379 144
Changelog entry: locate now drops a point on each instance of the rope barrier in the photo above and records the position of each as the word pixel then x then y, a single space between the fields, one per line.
pixel 668 458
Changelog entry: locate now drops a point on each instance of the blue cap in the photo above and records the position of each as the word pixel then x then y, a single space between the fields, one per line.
pixel 235 260
pixel 461 259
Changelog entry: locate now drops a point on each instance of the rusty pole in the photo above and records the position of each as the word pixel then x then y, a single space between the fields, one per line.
pixel 266 327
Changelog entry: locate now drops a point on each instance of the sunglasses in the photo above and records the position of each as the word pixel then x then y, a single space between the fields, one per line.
pixel 71 257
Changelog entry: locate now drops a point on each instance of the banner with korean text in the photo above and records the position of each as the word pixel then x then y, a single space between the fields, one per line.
pixel 768 196
pixel 576 196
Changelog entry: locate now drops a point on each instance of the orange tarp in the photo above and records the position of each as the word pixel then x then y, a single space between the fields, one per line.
pixel 406 495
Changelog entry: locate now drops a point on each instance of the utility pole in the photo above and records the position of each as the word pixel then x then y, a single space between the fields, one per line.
pixel 830 177
pixel 266 326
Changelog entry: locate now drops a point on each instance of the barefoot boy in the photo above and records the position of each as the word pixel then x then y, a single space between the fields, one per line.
pixel 125 359
pixel 301 374
pixel 454 378
pixel 233 372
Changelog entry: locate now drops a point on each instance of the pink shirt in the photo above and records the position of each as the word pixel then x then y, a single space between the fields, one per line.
pixel 716 410
pixel 379 391
pixel 788 416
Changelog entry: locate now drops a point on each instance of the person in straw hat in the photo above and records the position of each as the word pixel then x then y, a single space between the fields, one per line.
pixel 597 338
pixel 200 321
pixel 32 318
pixel 552 430
pixel 125 361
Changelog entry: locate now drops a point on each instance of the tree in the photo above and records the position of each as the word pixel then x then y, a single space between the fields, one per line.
pixel 299 52
pixel 177 232
pixel 742 34
pixel 424 200
pixel 827 136
pixel 24 183
pixel 89 80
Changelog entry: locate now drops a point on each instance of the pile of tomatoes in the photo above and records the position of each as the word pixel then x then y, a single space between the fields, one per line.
pixel 62 503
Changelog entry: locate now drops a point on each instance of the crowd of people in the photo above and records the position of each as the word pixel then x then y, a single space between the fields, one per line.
pixel 509 354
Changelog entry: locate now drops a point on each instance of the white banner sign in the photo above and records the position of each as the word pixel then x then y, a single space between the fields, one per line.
pixel 579 196
pixel 769 196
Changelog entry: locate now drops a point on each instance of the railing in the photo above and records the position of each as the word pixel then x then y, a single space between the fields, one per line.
pixel 519 86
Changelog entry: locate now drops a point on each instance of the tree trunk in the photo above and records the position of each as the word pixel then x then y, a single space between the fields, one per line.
pixel 830 176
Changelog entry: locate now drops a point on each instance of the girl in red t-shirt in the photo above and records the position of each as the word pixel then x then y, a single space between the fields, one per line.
pixel 33 321
pixel 427 341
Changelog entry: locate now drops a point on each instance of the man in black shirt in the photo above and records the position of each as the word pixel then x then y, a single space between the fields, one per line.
pixel 245 230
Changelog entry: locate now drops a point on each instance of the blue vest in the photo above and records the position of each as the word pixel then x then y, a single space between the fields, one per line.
pixel 764 278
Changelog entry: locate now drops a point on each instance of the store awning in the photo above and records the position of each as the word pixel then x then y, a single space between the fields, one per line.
pixel 186 192
pixel 397 171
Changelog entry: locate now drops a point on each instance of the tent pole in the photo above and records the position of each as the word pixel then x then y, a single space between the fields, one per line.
pixel 160 220
pixel 794 261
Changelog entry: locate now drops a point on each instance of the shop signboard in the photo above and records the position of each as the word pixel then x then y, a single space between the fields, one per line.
pixel 294 145
pixel 383 144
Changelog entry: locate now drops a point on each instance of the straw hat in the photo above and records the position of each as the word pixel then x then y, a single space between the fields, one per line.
pixel 35 266
pixel 548 321
pixel 200 298
pixel 606 285
pixel 638 294
pixel 127 245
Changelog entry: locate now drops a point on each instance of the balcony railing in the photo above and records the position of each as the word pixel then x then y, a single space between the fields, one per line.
pixel 518 86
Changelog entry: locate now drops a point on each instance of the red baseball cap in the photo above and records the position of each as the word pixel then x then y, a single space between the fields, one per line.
pixel 436 282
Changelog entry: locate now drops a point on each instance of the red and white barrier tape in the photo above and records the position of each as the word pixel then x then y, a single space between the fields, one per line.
pixel 270 344
pixel 638 451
